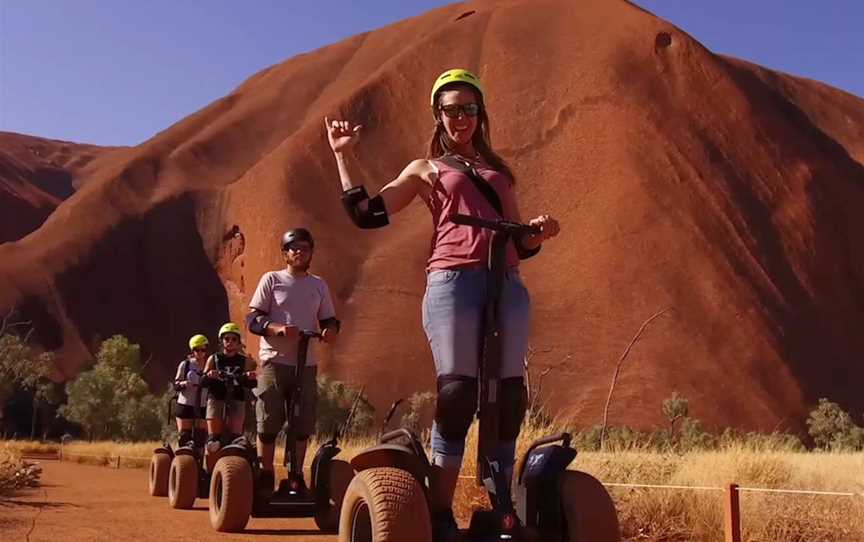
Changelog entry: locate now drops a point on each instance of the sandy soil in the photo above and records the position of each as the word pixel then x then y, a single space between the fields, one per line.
pixel 82 502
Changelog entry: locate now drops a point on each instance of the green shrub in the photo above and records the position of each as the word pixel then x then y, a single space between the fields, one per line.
pixel 832 428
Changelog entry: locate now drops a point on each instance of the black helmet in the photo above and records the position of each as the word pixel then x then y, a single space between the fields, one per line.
pixel 297 234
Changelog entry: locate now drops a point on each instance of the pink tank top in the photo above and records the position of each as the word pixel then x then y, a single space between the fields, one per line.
pixel 455 246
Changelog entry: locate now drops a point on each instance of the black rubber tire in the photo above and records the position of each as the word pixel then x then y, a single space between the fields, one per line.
pixel 341 475
pixel 183 482
pixel 230 494
pixel 384 505
pixel 588 509
pixel 157 484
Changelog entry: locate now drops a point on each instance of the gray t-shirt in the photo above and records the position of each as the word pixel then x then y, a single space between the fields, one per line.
pixel 190 371
pixel 294 301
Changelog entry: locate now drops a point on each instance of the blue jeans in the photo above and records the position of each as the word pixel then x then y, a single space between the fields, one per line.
pixel 453 320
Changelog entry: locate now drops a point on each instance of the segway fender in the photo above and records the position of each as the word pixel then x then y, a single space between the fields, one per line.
pixel 234 450
pixel 185 450
pixel 320 478
pixel 391 455
pixel 538 494
pixel 165 450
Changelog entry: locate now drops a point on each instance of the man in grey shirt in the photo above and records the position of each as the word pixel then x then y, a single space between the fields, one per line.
pixel 286 303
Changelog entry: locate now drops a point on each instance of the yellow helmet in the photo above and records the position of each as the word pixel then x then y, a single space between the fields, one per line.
pixel 198 341
pixel 230 327
pixel 456 75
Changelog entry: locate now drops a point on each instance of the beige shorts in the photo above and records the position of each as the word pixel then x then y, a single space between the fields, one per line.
pixel 276 384
pixel 216 409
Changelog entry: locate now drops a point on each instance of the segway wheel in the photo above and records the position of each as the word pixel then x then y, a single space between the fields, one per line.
pixel 589 511
pixel 160 464
pixel 230 494
pixel 183 482
pixel 384 505
pixel 341 474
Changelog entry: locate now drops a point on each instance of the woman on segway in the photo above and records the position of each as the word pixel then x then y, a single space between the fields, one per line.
pixel 220 366
pixel 454 301
pixel 187 384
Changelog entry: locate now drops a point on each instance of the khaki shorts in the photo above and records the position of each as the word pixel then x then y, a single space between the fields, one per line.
pixel 216 409
pixel 276 384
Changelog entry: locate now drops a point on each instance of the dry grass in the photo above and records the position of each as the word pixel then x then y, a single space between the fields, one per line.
pixel 655 514
pixel 15 473
pixel 685 515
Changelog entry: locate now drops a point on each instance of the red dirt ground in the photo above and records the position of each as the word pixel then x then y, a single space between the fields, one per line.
pixel 78 503
pixel 729 193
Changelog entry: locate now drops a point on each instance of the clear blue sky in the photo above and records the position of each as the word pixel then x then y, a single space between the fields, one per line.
pixel 115 72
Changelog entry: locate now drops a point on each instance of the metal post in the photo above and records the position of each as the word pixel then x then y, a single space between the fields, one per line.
pixel 732 516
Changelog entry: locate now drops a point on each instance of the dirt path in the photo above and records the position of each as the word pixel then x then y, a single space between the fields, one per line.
pixel 81 502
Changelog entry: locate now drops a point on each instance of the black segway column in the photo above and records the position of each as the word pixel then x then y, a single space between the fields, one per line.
pixel 292 489
pixel 502 520
pixel 329 477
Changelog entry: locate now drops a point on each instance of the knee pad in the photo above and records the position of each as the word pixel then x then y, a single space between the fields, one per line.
pixel 514 402
pixel 455 405
pixel 267 438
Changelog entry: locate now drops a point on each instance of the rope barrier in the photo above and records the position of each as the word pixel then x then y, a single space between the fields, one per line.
pixel 117 459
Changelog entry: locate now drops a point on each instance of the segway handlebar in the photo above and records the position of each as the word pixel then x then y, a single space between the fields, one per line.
pixel 565 438
pixel 512 228
pixel 389 415
pixel 235 375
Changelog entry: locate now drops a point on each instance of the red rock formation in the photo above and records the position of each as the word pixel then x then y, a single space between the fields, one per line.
pixel 728 193
pixel 35 176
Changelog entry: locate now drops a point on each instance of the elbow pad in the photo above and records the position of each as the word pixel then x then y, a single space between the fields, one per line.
pixel 257 322
pixel 525 253
pixel 330 322
pixel 375 214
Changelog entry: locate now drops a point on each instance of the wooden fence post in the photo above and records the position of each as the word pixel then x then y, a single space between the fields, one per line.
pixel 732 515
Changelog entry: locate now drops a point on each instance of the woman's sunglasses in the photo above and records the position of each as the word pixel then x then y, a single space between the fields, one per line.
pixel 453 110
pixel 204 350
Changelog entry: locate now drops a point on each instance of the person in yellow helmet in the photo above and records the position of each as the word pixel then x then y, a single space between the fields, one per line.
pixel 187 384
pixel 460 173
pixel 230 360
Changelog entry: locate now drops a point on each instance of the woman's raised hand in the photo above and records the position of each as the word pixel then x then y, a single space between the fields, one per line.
pixel 342 134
